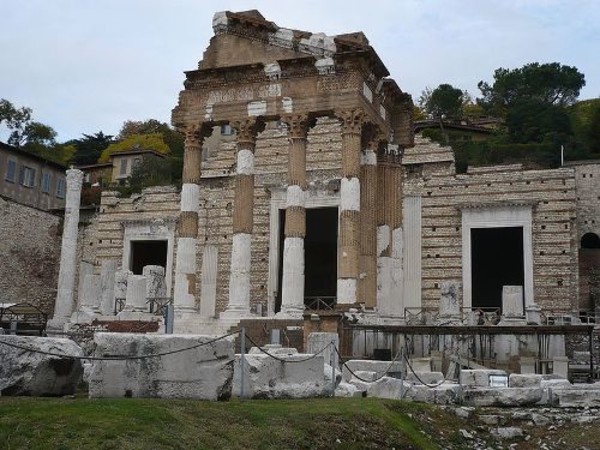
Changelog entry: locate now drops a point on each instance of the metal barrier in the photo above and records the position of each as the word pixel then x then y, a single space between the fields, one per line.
pixel 23 319
pixel 320 303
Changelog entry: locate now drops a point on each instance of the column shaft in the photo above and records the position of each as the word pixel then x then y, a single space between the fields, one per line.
pixel 185 262
pixel 292 289
pixel 68 254
pixel 349 244
pixel 368 226
pixel 243 219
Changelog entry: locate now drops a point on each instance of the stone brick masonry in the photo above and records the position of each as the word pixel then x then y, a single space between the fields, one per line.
pixel 30 250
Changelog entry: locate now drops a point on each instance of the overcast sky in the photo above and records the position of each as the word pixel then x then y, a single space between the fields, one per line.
pixel 88 65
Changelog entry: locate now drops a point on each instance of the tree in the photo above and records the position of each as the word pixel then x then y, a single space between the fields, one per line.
pixel 444 102
pixel 551 84
pixel 153 141
pixel 171 137
pixel 90 146
pixel 14 118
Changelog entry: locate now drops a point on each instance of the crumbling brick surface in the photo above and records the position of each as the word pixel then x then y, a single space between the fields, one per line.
pixel 30 251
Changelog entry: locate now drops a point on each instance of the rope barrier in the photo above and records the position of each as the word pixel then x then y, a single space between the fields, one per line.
pixel 287 360
pixel 345 364
pixel 116 357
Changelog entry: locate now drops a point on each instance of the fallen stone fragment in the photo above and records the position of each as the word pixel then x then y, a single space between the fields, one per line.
pixel 205 371
pixel 502 396
pixel 292 375
pixel 508 432
pixel 24 372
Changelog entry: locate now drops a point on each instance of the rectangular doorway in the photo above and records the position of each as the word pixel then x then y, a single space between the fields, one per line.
pixel 496 261
pixel 146 253
pixel 320 255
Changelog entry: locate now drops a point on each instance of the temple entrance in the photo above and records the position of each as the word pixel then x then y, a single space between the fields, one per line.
pixel 320 253
pixel 496 261
pixel 320 257
pixel 145 253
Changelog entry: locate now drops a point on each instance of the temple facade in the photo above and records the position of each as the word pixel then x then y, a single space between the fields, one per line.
pixel 306 189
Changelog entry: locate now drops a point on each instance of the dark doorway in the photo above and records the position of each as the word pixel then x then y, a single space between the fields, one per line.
pixel 496 261
pixel 145 253
pixel 320 254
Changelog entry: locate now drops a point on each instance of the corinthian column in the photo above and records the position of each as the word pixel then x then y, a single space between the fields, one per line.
pixel 368 221
pixel 389 235
pixel 185 263
pixel 243 219
pixel 68 253
pixel 349 247
pixel 292 289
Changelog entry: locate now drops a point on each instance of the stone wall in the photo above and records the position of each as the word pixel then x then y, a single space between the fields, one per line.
pixel 30 249
pixel 217 187
pixel 430 174
pixel 104 237
pixel 587 175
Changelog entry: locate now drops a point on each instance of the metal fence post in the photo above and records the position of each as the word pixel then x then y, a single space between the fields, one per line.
pixel 242 360
pixel 332 362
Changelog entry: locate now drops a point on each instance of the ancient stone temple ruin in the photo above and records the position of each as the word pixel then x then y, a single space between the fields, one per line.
pixel 306 195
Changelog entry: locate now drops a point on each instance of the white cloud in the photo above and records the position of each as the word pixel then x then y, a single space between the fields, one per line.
pixel 85 66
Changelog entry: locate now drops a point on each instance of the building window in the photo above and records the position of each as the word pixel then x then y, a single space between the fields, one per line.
pixel 60 188
pixel 226 130
pixel 46 177
pixel 11 171
pixel 123 169
pixel 28 177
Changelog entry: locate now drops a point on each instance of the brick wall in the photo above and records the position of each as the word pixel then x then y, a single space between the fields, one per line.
pixel 30 250
pixel 429 173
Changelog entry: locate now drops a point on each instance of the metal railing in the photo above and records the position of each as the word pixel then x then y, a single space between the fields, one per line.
pixel 423 315
pixel 155 305
pixel 480 315
pixel 320 303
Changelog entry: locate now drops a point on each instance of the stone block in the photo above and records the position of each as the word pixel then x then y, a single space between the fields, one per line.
pixel 317 341
pixel 421 364
pixel 369 365
pixel 577 398
pixel 365 375
pixel 524 380
pixel 512 301
pixel 478 377
pixel 444 394
pixel 23 372
pixel 387 387
pixel 204 372
pixel 449 304
pixel 266 377
pixel 425 377
pixel 348 390
pixel 502 396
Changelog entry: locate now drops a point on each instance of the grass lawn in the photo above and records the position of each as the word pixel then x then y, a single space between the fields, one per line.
pixel 80 423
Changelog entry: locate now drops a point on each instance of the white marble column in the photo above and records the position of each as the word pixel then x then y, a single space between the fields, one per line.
pixel 184 292
pixel 107 285
pixel 292 286
pixel 208 295
pixel 243 219
pixel 66 276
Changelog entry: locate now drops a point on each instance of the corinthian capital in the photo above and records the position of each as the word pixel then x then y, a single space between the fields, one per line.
pixel 352 120
pixel 195 134
pixel 298 125
pixel 247 130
